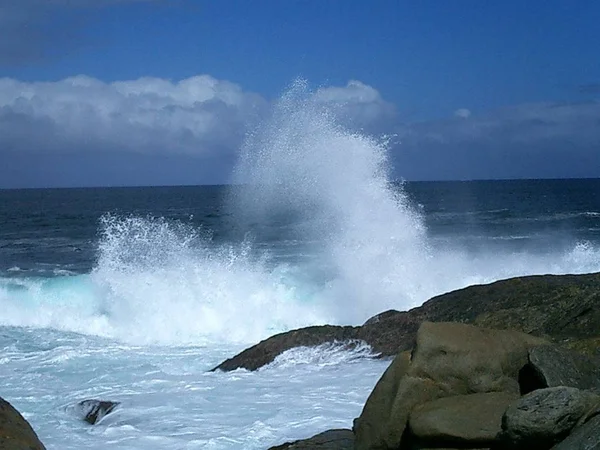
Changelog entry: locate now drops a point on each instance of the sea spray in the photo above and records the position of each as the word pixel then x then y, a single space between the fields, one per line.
pixel 302 163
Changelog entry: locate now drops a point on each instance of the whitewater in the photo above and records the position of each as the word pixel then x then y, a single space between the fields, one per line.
pixel 139 307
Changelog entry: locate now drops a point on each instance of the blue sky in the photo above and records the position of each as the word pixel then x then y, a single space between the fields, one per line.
pixel 473 89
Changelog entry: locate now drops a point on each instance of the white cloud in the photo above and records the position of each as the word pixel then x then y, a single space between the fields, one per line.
pixel 199 116
pixel 462 113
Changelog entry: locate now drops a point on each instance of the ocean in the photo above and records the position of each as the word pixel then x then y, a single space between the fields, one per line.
pixel 134 294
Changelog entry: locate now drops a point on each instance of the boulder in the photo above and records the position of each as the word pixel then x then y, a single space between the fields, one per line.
pixel 339 439
pixel 555 366
pixel 449 359
pixel 466 420
pixel 92 411
pixel 544 417
pixel 15 431
pixel 585 437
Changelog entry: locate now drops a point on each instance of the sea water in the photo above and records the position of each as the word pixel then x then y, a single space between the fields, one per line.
pixel 134 294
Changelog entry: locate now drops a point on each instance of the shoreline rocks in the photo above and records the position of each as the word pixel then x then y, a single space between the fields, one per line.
pixel 463 386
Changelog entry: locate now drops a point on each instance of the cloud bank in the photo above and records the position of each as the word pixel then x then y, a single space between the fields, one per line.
pixel 81 131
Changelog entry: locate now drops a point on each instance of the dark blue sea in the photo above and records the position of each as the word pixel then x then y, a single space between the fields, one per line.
pixel 133 294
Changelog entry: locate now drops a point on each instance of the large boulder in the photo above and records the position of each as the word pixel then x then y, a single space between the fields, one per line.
pixel 474 419
pixel 555 366
pixel 544 417
pixel 585 437
pixel 449 359
pixel 563 308
pixel 338 439
pixel 15 431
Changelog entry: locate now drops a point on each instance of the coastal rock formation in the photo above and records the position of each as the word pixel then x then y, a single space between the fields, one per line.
pixel 93 411
pixel 15 431
pixel 562 308
pixel 464 386
pixel 449 359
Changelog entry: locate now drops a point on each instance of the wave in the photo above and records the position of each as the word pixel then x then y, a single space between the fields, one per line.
pixel 312 181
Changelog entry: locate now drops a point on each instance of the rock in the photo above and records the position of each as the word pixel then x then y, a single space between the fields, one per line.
pixel 15 431
pixel 557 366
pixel 474 419
pixel 563 308
pixel 266 351
pixel 585 437
pixel 544 417
pixel 448 359
pixel 339 439
pixel 93 411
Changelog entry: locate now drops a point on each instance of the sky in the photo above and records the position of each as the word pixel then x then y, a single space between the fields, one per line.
pixel 163 92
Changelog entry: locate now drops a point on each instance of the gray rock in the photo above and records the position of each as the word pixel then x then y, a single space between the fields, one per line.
pixel 94 410
pixel 474 419
pixel 586 437
pixel 544 417
pixel 557 366
pixel 339 439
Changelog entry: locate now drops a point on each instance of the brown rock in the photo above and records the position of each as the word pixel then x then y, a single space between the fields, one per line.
pixel 449 359
pixel 15 431
pixel 467 420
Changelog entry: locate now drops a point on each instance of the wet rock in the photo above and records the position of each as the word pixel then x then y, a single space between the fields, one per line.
pixel 93 411
pixel 557 366
pixel 339 439
pixel 15 431
pixel 563 308
pixel 585 437
pixel 544 417
pixel 449 359
pixel 466 420
pixel 266 351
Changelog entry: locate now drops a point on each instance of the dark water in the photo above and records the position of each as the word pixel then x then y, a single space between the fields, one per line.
pixel 48 229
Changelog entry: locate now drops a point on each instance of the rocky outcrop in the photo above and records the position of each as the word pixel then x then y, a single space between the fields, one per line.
pixel 93 411
pixel 562 308
pixel 339 439
pixel 15 431
pixel 449 359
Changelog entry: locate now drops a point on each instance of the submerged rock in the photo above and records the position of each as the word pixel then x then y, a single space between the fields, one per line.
pixel 339 439
pixel 562 308
pixel 93 411
pixel 15 431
